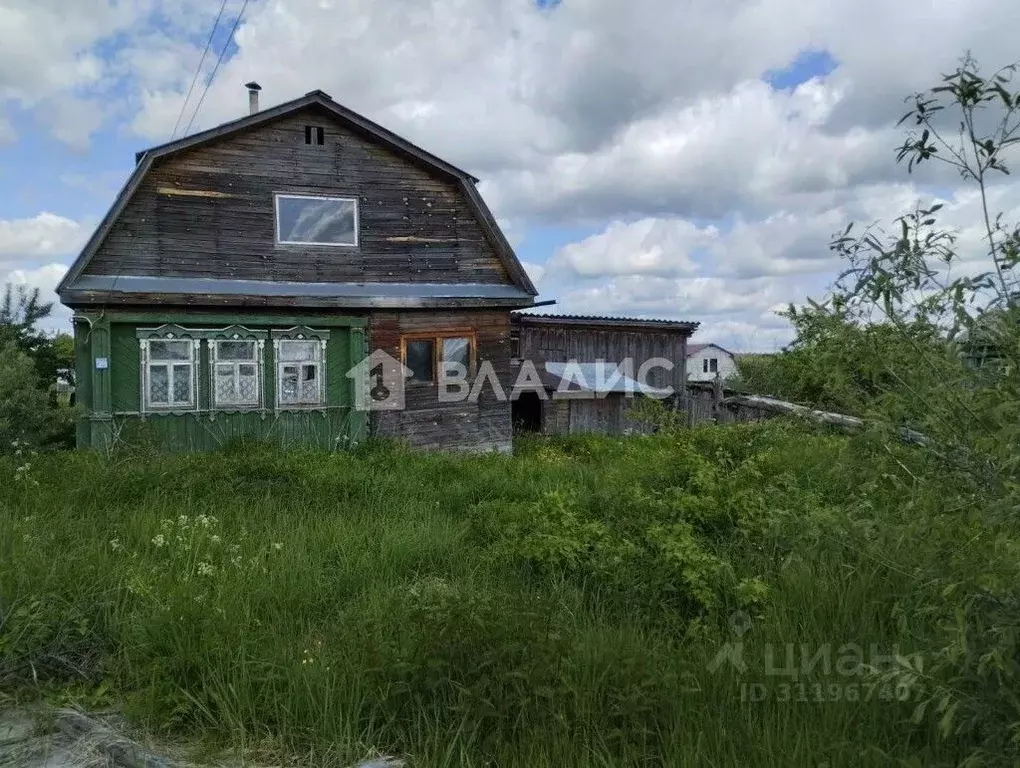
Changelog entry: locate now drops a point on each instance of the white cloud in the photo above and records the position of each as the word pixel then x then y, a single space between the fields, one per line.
pixel 708 194
pixel 45 234
pixel 45 278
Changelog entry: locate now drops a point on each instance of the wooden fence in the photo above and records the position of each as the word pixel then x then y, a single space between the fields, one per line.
pixel 712 402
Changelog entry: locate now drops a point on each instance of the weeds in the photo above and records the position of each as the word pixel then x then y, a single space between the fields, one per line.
pixel 564 605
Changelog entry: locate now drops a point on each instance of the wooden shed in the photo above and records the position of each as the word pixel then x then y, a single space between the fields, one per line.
pixel 605 351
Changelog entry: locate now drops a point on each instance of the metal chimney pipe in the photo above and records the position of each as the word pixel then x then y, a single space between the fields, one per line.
pixel 253 96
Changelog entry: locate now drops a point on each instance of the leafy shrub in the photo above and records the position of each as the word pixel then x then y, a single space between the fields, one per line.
pixel 27 415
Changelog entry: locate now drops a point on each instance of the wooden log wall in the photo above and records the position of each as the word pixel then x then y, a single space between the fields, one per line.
pixel 556 343
pixel 209 212
pixel 425 422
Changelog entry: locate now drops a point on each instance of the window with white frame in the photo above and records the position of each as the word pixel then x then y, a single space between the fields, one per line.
pixel 710 365
pixel 309 220
pixel 299 372
pixel 169 373
pixel 235 373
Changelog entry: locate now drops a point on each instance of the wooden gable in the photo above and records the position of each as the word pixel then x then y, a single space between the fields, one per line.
pixel 208 212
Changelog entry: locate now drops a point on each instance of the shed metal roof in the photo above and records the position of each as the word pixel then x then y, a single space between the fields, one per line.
pixel 534 318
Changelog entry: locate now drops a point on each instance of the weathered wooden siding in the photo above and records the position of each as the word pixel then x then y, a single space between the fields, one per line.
pixel 117 417
pixel 587 345
pixel 426 422
pixel 208 212
pixel 609 415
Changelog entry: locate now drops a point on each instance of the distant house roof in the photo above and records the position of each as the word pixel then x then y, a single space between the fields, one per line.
pixel 685 327
pixel 693 349
pixel 599 377
pixel 315 100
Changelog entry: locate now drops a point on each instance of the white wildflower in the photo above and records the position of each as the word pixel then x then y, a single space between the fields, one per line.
pixel 277 545
pixel 114 544
pixel 206 569
pixel 215 539
pixel 159 540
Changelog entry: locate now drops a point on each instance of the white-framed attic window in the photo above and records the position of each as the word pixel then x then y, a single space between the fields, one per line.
pixel 169 373
pixel 316 220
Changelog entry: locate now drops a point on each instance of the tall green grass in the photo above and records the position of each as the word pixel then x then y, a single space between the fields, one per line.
pixel 559 607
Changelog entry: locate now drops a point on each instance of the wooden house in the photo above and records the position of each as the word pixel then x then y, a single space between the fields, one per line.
pixel 593 368
pixel 243 272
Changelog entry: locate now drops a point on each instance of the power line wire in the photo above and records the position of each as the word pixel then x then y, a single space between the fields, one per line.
pixel 198 71
pixel 219 60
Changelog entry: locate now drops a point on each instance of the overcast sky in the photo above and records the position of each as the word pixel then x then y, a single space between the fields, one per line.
pixel 658 158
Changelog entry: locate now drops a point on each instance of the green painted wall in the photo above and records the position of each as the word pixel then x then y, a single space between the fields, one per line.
pixel 112 396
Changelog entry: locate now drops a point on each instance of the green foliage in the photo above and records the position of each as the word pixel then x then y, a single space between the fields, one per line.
pixel 905 339
pixel 27 416
pixel 563 605
pixel 21 311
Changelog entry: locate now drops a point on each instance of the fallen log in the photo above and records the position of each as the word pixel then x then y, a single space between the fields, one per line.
pixel 841 420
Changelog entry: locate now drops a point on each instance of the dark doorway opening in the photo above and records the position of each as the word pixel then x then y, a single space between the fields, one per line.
pixel 526 412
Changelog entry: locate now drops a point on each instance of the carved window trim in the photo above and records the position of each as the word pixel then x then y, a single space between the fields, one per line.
pixel 318 363
pixel 236 333
pixel 174 333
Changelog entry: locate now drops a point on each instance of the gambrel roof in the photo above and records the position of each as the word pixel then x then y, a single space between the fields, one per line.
pixel 74 285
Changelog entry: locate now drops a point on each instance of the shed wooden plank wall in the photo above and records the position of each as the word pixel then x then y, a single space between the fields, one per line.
pixel 415 225
pixel 587 345
pixel 427 423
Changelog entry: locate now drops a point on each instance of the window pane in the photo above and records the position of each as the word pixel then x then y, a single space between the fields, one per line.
pixel 456 351
pixel 309 384
pixel 299 351
pixel 159 384
pixel 248 384
pixel 713 365
pixel 182 383
pixel 225 389
pixel 310 220
pixel 235 350
pixel 289 384
pixel 169 350
pixel 420 355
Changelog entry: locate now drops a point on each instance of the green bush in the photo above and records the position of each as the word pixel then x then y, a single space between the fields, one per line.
pixel 28 418
pixel 563 605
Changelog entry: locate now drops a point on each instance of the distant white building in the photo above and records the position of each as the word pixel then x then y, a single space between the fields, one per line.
pixel 706 361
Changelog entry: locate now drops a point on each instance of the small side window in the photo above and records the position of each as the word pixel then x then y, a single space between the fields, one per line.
pixel 320 135
pixel 308 134
pixel 713 365
pixel 442 356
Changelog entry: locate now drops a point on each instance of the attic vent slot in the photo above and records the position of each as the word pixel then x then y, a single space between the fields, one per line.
pixel 308 134
pixel 320 136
